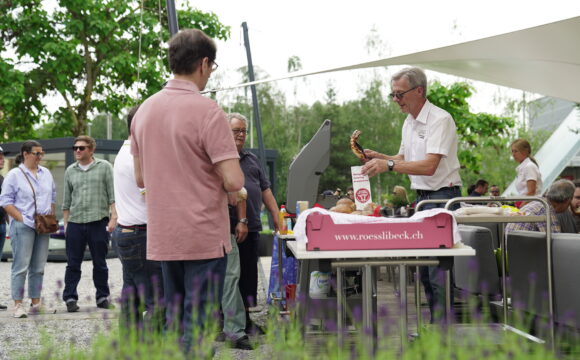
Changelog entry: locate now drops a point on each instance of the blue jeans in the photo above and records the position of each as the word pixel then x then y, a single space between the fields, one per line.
pixel 29 252
pixel 2 237
pixel 433 277
pixel 77 237
pixel 192 285
pixel 142 278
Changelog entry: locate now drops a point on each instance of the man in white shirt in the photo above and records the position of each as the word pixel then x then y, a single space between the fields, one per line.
pixel 428 154
pixel 142 278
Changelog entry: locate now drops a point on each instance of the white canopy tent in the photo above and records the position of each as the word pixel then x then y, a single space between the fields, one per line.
pixel 544 59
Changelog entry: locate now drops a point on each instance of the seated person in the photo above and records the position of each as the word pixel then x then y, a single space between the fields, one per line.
pixel 567 221
pixel 350 193
pixel 559 197
pixel 575 204
pixel 480 188
pixel 400 200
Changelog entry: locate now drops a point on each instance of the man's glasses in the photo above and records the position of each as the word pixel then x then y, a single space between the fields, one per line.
pixel 38 153
pixel 400 95
pixel 214 66
pixel 240 131
pixel 79 148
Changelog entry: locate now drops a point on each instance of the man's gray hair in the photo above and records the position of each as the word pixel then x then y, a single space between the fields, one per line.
pixel 561 191
pixel 231 116
pixel 415 75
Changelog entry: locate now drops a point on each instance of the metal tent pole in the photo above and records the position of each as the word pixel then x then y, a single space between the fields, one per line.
pixel 256 107
pixel 172 17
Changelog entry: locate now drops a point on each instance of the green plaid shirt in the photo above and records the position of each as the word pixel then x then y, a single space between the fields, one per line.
pixel 88 194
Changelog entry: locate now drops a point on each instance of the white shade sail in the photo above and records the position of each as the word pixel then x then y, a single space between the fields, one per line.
pixel 544 59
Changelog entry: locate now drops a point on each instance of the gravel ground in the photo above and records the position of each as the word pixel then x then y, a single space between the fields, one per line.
pixel 21 338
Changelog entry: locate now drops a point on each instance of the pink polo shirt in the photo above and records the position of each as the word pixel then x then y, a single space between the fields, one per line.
pixel 180 135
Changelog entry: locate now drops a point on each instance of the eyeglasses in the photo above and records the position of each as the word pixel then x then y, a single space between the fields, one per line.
pixel 400 95
pixel 79 148
pixel 214 66
pixel 38 153
pixel 240 131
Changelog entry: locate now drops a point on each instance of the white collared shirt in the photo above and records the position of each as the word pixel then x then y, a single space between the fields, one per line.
pixel 129 198
pixel 432 132
pixel 527 170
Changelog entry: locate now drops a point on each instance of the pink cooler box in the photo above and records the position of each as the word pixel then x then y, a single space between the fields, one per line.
pixel 428 233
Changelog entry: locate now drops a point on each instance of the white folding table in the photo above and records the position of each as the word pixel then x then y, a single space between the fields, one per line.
pixel 366 260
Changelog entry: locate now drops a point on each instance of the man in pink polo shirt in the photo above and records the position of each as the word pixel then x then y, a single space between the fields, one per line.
pixel 184 153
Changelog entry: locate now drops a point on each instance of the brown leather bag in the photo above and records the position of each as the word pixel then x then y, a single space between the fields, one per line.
pixel 45 224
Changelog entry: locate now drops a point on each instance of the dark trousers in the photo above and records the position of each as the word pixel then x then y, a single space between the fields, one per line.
pixel 142 280
pixel 433 277
pixel 249 269
pixel 193 285
pixel 77 237
pixel 2 236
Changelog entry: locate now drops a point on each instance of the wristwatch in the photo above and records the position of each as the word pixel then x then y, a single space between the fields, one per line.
pixel 244 221
pixel 391 164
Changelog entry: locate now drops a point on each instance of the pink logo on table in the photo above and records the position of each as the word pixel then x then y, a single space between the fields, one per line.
pixel 362 195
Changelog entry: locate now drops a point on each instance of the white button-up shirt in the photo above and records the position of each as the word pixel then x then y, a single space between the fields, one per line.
pixel 129 199
pixel 527 170
pixel 432 132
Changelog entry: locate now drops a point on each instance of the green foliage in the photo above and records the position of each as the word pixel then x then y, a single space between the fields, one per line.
pixel 475 130
pixel 284 339
pixel 85 54
pixel 482 137
pixel 99 127
pixel 397 201
pixel 497 165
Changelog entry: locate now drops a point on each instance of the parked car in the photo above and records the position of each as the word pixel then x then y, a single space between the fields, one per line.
pixel 56 247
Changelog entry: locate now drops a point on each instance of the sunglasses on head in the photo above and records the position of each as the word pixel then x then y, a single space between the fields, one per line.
pixel 79 148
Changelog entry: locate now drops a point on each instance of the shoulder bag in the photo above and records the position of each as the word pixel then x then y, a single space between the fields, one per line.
pixel 45 224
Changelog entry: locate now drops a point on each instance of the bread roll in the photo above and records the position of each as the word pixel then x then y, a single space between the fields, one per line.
pixel 370 207
pixel 348 202
pixel 345 209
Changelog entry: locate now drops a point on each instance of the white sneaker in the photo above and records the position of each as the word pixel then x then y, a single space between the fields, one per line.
pixel 40 309
pixel 20 311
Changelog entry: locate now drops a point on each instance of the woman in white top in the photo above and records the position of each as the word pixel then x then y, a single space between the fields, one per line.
pixel 529 180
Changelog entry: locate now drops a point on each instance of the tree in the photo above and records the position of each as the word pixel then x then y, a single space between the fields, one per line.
pixel 475 130
pixel 91 56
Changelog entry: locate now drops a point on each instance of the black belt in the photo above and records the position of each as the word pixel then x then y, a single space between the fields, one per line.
pixel 428 192
pixel 134 227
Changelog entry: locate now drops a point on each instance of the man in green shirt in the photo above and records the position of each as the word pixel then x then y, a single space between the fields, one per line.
pixel 89 200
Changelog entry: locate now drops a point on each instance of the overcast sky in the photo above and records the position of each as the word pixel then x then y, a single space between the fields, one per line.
pixel 330 33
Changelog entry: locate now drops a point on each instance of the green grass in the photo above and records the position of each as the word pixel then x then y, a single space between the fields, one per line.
pixel 284 340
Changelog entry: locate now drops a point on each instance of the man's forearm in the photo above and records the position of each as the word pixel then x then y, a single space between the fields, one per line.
pixel 65 214
pixel 241 208
pixel 421 167
pixel 138 172
pixel 272 206
pixel 113 211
